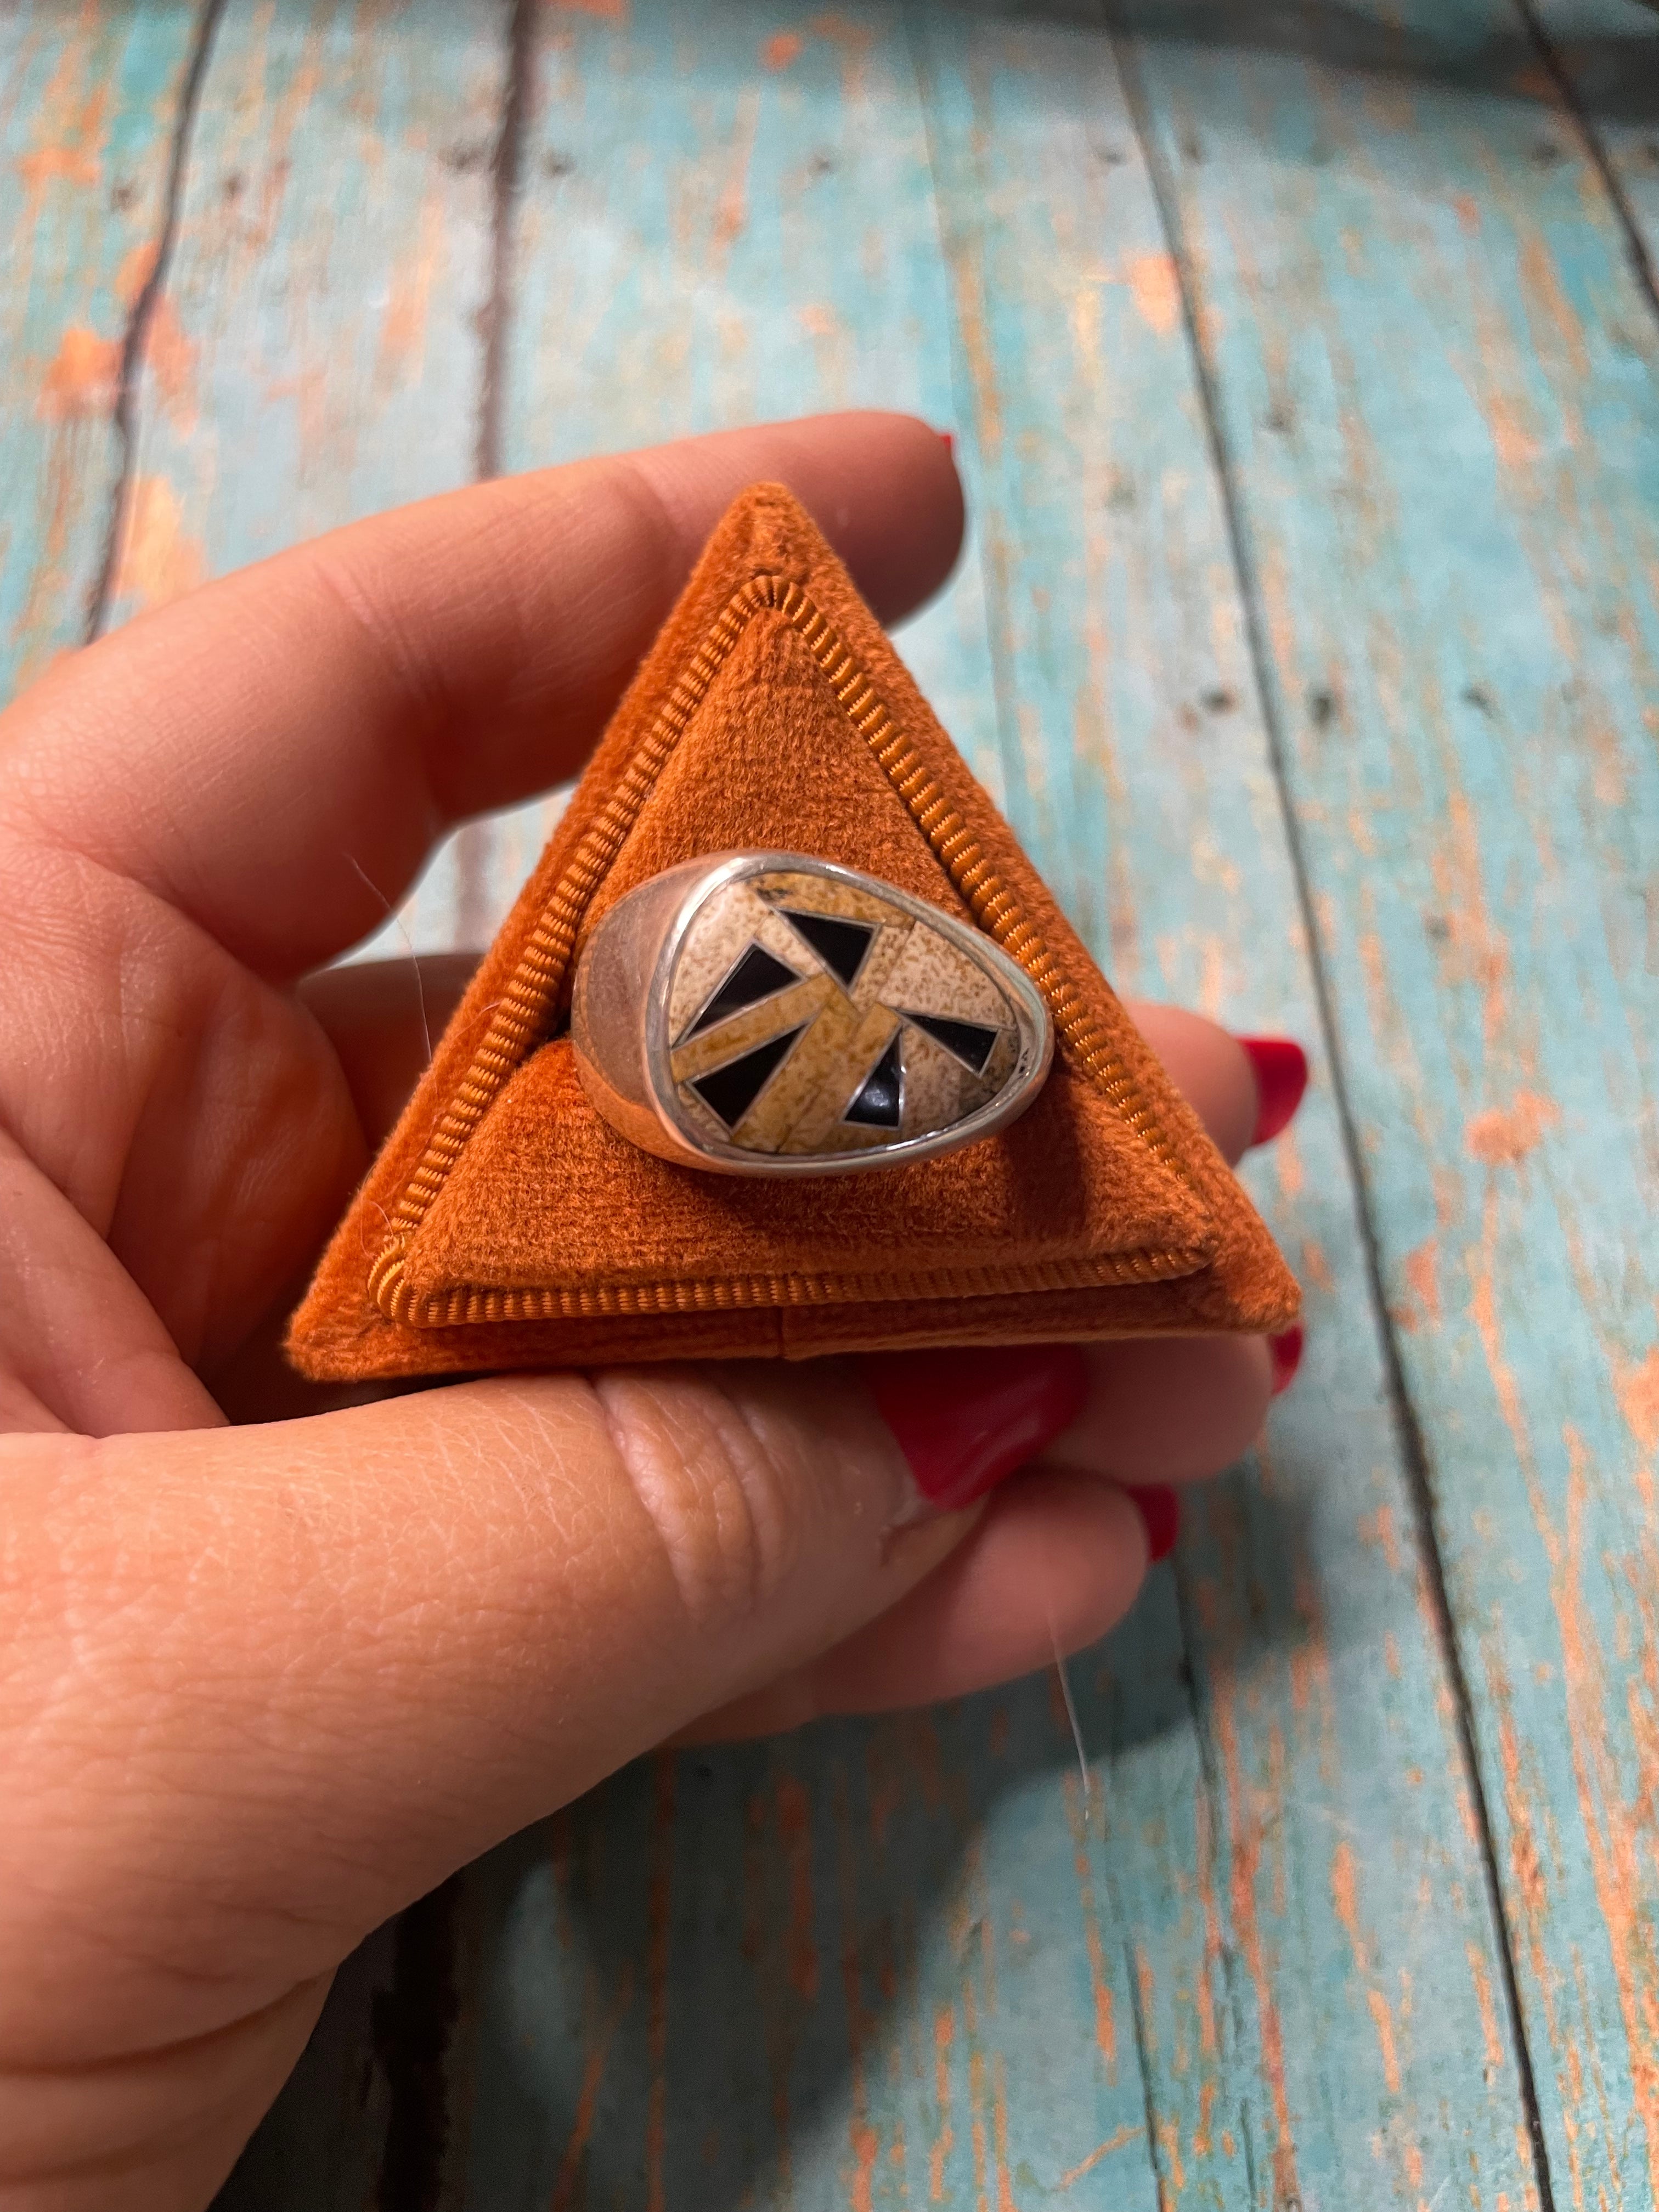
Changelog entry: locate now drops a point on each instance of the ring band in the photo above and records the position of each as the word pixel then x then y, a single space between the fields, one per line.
pixel 771 1014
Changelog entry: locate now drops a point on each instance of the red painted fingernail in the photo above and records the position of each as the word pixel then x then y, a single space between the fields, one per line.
pixel 1286 1350
pixel 949 438
pixel 965 1419
pixel 1281 1077
pixel 1160 1509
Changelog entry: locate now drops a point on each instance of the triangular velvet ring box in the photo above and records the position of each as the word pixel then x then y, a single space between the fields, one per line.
pixel 505 1224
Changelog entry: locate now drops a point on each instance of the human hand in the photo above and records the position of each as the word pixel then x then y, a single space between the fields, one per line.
pixel 266 1682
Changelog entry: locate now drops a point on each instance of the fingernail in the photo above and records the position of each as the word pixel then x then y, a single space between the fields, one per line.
pixel 949 438
pixel 1160 1509
pixel 1286 1350
pixel 966 1420
pixel 1281 1077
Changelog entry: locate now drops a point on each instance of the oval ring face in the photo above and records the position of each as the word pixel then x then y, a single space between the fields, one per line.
pixel 807 1019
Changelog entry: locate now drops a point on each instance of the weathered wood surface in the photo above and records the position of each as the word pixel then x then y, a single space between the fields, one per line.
pixel 1434 376
pixel 1302 367
pixel 90 105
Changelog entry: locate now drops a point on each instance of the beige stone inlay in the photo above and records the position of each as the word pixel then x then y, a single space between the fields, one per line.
pixel 908 968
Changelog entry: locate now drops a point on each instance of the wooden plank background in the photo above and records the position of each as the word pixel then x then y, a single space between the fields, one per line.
pixel 1302 366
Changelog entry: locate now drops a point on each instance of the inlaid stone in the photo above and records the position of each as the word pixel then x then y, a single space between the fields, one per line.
pixel 818 1016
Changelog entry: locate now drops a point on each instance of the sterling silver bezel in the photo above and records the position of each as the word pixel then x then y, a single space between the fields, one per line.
pixel 1034 1056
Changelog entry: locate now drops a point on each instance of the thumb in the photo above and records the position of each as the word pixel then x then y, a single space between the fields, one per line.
pixel 268 1684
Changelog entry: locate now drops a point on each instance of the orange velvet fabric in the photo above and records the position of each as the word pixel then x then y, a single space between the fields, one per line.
pixel 525 1232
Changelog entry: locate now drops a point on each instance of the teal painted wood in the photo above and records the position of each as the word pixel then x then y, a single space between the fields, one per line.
pixel 89 105
pixel 891 1963
pixel 854 1966
pixel 727 216
pixel 1362 2044
pixel 316 355
pixel 317 347
pixel 1436 382
pixel 1608 52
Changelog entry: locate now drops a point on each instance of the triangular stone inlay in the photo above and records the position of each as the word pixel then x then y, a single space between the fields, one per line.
pixel 756 976
pixel 969 1041
pixel 840 944
pixel 731 1090
pixel 880 1103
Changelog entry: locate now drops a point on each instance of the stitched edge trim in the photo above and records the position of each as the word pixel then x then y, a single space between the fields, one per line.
pixel 544 963
pixel 465 1307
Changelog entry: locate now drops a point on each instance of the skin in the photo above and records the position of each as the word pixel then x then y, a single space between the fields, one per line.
pixel 276 1665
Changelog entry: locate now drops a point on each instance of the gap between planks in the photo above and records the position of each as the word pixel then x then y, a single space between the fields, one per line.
pixel 507 177
pixel 1636 245
pixel 135 337
pixel 420 2010
pixel 1408 1427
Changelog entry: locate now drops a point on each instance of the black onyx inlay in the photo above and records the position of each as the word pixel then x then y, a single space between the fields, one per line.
pixel 756 976
pixel 840 944
pixel 966 1042
pixel 733 1089
pixel 880 1096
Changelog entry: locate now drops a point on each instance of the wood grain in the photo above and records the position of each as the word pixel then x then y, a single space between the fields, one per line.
pixel 315 355
pixel 89 105
pixel 1303 372
pixel 1229 1987
pixel 1601 59
pixel 1323 1724
pixel 1434 371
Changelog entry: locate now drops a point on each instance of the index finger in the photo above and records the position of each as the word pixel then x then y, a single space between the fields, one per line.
pixel 247 752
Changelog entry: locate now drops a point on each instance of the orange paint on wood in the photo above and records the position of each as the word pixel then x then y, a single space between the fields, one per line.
pixel 1483 1997
pixel 861 2182
pixel 1619 1830
pixel 137 266
pixel 1475 953
pixel 1422 1273
pixel 1203 2144
pixel 1247 1927
pixel 81 378
pixel 599 2040
pixel 999 2124
pixel 976 2134
pixel 1483 1310
pixel 1204 1997
pixel 403 329
pixel 1378 1528
pixel 1169 2142
pixel 1513 443
pixel 60 165
pixel 170 358
pixel 1124 2137
pixel 945 2031
pixel 1382 2022
pixel 1638 1391
pixel 1315 1267
pixel 1100 1987
pixel 159 561
pixel 1345 1899
pixel 76 158
pixel 1504 1136
pixel 1156 290
pixel 1542 281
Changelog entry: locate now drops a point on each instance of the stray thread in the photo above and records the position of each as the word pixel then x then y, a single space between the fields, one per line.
pixel 1071 1712
pixel 397 922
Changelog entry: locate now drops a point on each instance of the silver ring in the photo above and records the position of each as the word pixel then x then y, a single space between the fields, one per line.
pixel 770 1014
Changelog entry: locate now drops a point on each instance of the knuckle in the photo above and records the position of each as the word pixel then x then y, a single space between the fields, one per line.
pixel 724 1487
